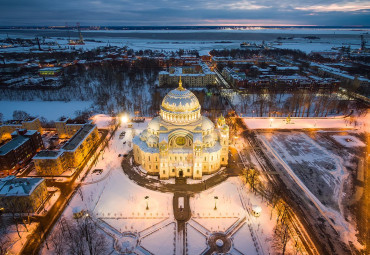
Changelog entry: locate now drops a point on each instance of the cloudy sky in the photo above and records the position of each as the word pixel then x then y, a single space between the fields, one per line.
pixel 185 12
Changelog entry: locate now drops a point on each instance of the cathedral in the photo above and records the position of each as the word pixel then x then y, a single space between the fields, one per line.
pixel 180 142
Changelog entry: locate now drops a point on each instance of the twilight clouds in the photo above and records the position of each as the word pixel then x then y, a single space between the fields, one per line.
pixel 189 12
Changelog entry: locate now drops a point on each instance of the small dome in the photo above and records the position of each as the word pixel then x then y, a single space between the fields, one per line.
pixel 208 139
pixel 144 135
pixel 154 124
pixel 207 124
pixel 221 120
pixel 152 139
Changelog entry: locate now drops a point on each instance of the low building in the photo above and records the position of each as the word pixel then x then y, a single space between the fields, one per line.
pixel 336 73
pixel 22 195
pixel 66 127
pixel 7 128
pixel 51 163
pixel 79 146
pixel 20 149
pixel 194 76
pixel 50 71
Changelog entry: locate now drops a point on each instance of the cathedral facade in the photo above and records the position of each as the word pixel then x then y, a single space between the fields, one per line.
pixel 180 142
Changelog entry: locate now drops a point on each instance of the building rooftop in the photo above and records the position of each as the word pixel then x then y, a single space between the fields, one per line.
pixel 11 186
pixel 19 122
pixel 45 154
pixel 24 132
pixel 80 136
pixel 13 144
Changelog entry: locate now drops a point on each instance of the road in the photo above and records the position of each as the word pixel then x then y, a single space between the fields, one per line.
pixel 221 79
pixel 67 190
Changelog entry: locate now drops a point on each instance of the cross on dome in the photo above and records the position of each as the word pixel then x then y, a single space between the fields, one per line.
pixel 180 85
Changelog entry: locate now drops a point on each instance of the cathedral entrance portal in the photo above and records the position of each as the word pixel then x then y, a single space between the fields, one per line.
pixel 181 173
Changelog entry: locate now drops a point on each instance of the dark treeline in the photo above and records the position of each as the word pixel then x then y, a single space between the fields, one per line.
pixel 243 53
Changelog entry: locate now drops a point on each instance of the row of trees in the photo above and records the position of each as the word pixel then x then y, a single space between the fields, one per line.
pixel 303 103
pixel 79 237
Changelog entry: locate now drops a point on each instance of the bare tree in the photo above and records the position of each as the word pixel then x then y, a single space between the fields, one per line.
pixel 4 240
pixel 78 237
pixel 57 240
pixel 20 115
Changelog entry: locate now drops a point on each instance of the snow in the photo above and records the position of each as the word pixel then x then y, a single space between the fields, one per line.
pixel 296 123
pixel 348 141
pixel 103 120
pixel 161 242
pixel 119 204
pixel 195 240
pixel 51 110
pixel 131 223
pixel 319 174
pixel 228 204
pixel 243 240
pixel 16 244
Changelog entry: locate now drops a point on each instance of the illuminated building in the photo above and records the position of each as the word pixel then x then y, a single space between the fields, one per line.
pixel 181 142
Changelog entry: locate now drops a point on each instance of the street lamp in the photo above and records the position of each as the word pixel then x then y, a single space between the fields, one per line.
pixel 271 120
pixel 147 203
pixel 124 119
pixel 216 197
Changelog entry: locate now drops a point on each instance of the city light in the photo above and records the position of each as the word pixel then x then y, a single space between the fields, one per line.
pixel 124 119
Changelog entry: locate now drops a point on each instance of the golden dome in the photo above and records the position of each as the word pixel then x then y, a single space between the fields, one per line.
pixel 180 106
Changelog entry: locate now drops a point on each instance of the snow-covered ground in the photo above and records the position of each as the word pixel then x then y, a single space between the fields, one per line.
pixel 115 200
pixel 297 123
pixel 231 216
pixel 348 141
pixel 319 173
pixel 14 243
pixel 118 205
pixel 51 110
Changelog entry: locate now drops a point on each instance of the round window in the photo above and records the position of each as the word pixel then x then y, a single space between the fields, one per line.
pixel 180 140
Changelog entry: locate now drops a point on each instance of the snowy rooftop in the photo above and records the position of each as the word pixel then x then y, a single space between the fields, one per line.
pixel 80 136
pixel 27 133
pixel 45 154
pixel 214 148
pixel 13 144
pixel 143 146
pixel 11 186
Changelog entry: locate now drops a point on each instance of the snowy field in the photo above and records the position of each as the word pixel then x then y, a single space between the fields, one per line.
pixel 296 123
pixel 320 170
pixel 51 110
pixel 319 173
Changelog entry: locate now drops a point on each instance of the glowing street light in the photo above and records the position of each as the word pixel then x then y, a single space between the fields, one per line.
pixel 147 202
pixel 216 197
pixel 124 119
pixel 271 120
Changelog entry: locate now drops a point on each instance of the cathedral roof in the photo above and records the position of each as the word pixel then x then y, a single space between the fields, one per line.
pixel 180 100
pixel 207 124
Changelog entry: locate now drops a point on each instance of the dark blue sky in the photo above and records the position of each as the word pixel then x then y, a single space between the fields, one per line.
pixel 189 12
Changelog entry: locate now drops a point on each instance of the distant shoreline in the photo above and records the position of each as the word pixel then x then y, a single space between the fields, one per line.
pixel 186 35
